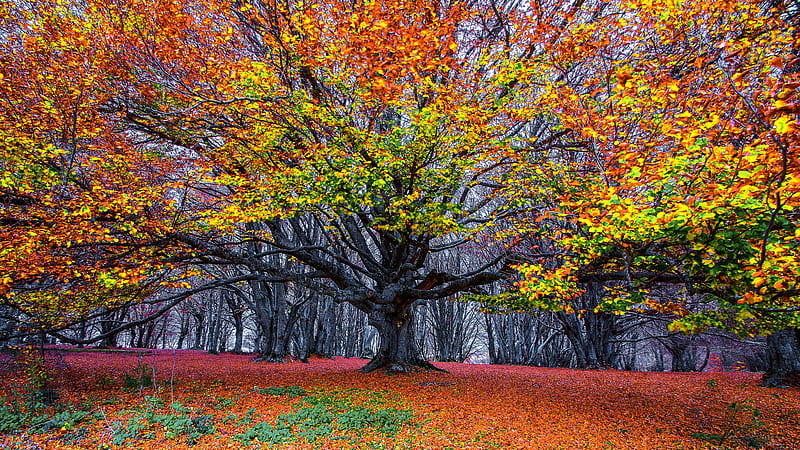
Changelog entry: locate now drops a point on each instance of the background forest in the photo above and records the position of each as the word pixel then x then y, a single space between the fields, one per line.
pixel 561 183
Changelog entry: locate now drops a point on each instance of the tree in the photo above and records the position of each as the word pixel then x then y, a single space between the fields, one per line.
pixel 691 174
pixel 78 199
pixel 353 139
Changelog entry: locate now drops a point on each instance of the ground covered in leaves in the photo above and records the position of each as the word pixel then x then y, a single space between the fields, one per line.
pixel 186 399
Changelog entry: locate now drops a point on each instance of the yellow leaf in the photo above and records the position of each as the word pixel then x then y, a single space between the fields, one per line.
pixel 784 124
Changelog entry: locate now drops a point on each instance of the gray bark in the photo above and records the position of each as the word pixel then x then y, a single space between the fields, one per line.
pixel 783 358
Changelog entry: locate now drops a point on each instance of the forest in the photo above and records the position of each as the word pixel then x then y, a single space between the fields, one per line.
pixel 574 184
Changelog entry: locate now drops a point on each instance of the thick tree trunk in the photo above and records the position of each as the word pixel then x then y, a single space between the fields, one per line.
pixel 783 359
pixel 684 358
pixel 108 322
pixel 572 331
pixel 269 306
pixel 590 333
pixel 327 331
pixel 397 352
pixel 308 340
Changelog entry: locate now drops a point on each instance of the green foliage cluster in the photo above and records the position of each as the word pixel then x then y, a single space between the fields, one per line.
pixel 177 421
pixel 341 414
pixel 290 391
pixel 223 403
pixel 247 419
pixel 140 378
pixel 33 416
pixel 37 409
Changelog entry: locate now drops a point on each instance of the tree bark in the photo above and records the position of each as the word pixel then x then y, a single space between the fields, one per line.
pixel 183 331
pixel 490 336
pixel 269 306
pixel 397 352
pixel 783 359
pixel 237 316
pixel 680 348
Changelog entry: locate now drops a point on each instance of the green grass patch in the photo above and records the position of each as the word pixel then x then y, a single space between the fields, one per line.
pixel 177 421
pixel 340 415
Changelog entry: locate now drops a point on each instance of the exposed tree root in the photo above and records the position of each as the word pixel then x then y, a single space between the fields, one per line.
pixel 396 367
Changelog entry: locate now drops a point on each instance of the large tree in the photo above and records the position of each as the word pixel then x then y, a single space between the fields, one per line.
pixel 332 144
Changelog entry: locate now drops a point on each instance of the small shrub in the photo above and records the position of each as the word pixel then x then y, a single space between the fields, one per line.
pixel 387 421
pixel 265 433
pixel 64 420
pixel 35 418
pixel 141 378
pixel 180 421
pixel 133 430
pixel 12 418
pixel 224 403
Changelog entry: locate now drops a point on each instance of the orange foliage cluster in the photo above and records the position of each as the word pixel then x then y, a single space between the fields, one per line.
pixel 474 406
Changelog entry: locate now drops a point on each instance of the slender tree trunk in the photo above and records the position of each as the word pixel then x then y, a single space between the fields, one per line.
pixel 8 325
pixel 783 358
pixel 237 314
pixel 183 332
pixel 238 325
pixel 200 326
pixel 215 321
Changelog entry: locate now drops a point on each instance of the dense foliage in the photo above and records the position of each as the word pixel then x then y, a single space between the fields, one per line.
pixel 154 150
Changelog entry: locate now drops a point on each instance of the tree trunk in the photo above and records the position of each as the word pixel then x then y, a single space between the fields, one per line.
pixel 397 352
pixel 8 326
pixel 327 331
pixel 215 325
pixel 108 322
pixel 783 359
pixel 490 336
pixel 183 332
pixel 199 320
pixel 269 306
pixel 237 315
pixel 307 342
pixel 572 330
pixel 680 348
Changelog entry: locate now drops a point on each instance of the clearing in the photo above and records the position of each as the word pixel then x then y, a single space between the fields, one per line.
pixel 188 399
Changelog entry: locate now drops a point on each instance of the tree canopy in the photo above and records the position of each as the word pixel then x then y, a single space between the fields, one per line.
pixel 344 147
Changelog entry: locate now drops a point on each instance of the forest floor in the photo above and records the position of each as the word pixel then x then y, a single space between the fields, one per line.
pixel 187 399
